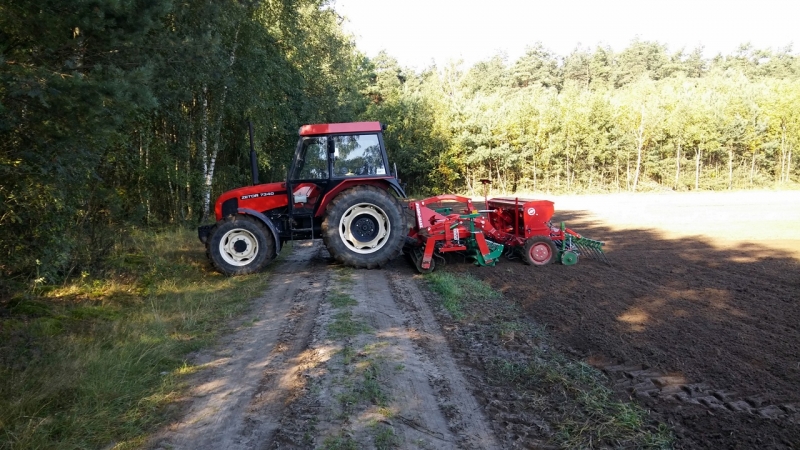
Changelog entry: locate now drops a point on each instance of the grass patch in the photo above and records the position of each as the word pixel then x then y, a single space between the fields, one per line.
pixel 99 361
pixel 365 388
pixel 344 274
pixel 340 442
pixel 341 300
pixel 594 415
pixel 456 290
pixel 385 438
pixel 371 389
pixel 347 354
pixel 344 325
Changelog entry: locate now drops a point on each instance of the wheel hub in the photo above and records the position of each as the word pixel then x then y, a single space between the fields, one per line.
pixel 364 228
pixel 238 247
pixel 540 252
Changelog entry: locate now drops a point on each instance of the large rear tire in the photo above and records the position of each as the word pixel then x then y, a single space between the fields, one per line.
pixel 364 227
pixel 241 245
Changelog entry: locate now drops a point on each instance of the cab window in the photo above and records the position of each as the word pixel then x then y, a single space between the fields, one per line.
pixel 357 156
pixel 312 163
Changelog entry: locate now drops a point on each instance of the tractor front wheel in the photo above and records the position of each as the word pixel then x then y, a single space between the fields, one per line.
pixel 240 245
pixel 539 251
pixel 364 227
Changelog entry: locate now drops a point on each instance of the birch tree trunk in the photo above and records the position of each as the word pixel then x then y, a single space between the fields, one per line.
pixel 697 169
pixel 639 147
pixel 678 167
pixel 628 172
pixel 730 168
pixel 211 159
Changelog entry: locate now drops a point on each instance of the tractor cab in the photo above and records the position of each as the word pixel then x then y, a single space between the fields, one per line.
pixel 328 159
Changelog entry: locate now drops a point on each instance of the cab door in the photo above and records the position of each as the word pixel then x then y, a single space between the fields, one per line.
pixel 308 178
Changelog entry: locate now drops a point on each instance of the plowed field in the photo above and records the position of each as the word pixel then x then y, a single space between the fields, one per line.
pixel 698 316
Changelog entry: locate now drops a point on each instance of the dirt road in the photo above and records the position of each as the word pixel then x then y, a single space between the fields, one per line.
pixel 332 357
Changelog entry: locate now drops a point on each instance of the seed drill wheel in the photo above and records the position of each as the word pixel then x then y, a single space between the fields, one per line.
pixel 569 258
pixel 364 227
pixel 417 256
pixel 240 245
pixel 539 251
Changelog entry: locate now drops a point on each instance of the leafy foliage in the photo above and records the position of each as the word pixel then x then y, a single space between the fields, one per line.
pixel 595 120
pixel 132 112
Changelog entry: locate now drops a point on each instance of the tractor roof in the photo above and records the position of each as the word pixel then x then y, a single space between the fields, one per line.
pixel 331 128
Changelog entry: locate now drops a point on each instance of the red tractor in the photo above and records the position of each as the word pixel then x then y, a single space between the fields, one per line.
pixel 339 188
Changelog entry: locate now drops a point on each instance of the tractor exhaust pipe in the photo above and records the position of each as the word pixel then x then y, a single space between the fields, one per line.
pixel 253 160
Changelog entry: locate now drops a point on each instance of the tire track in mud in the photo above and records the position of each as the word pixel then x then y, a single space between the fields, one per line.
pixel 462 410
pixel 428 404
pixel 647 383
pixel 238 396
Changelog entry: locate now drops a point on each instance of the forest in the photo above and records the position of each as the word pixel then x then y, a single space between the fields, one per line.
pixel 128 114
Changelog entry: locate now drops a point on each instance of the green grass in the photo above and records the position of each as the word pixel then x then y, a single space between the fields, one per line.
pixel 384 437
pixel 595 416
pixel 457 290
pixel 344 325
pixel 363 387
pixel 344 275
pixel 340 300
pixel 101 361
pixel 340 442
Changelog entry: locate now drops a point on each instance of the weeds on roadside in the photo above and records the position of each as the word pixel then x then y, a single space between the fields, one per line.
pixel 344 275
pixel 341 300
pixel 98 361
pixel 384 437
pixel 344 325
pixel 455 291
pixel 365 388
pixel 340 442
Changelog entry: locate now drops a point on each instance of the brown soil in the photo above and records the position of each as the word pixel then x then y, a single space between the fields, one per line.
pixel 701 327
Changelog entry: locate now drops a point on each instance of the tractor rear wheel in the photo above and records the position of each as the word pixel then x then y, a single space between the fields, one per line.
pixel 240 245
pixel 539 251
pixel 364 227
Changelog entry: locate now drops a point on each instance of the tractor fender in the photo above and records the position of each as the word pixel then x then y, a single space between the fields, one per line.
pixel 269 225
pixel 387 184
pixel 397 188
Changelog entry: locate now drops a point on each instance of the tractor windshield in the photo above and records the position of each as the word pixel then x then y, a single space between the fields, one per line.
pixel 357 155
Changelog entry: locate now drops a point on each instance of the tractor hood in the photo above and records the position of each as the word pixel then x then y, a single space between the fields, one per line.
pixel 261 197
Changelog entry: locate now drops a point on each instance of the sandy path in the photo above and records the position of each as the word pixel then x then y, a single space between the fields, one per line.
pixel 237 399
pixel 283 382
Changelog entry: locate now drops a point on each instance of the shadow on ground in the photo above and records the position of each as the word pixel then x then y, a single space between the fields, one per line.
pixel 726 321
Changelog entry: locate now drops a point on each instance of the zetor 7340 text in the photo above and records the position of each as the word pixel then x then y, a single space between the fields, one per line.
pixel 339 188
